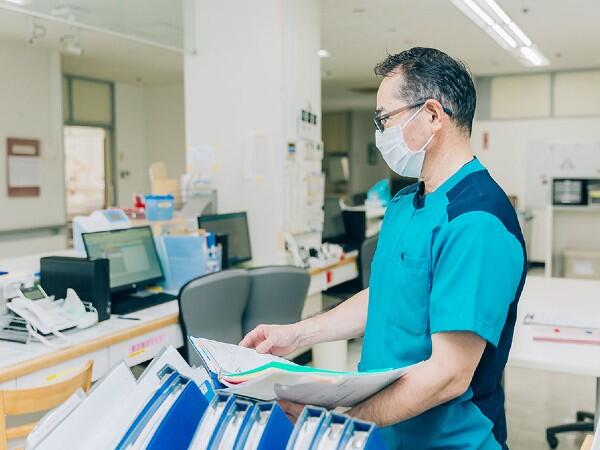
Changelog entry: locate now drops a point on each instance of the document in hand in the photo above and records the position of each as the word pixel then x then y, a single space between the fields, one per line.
pixel 266 377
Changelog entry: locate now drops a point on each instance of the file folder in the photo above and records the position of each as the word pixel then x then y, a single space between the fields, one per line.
pixel 179 425
pixel 268 429
pixel 362 436
pixel 331 432
pixel 210 420
pixel 306 428
pixel 233 421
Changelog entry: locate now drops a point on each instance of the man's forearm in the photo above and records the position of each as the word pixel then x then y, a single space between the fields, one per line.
pixel 423 388
pixel 346 321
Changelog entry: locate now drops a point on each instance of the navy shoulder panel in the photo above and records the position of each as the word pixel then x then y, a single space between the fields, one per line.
pixel 410 189
pixel 479 192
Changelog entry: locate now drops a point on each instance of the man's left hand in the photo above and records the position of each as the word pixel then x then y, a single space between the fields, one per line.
pixel 291 409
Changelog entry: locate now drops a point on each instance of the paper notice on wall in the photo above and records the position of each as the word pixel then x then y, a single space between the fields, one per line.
pixel 24 171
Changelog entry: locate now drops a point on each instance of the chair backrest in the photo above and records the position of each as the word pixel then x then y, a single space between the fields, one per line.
pixel 277 296
pixel 367 251
pixel 27 401
pixel 212 307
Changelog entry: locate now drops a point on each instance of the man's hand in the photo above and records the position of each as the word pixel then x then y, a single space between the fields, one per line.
pixel 291 409
pixel 279 340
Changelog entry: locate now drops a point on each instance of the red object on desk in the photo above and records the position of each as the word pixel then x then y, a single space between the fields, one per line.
pixel 329 276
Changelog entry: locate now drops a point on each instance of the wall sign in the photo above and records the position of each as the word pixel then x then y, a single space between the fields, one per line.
pixel 23 167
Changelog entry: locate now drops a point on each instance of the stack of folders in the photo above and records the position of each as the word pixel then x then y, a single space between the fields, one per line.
pixel 172 406
pixel 244 372
pixel 316 429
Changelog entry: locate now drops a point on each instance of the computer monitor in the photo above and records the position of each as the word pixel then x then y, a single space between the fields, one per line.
pixel 132 256
pixel 235 226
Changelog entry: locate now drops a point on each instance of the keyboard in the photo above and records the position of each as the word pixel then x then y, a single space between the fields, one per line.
pixel 127 305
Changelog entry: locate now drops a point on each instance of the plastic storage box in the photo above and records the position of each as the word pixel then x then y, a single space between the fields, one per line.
pixel 159 207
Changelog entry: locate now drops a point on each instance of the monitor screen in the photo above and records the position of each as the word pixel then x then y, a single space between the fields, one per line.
pixel 132 256
pixel 235 226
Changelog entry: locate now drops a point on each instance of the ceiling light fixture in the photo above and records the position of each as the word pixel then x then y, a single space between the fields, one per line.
pixel 504 35
pixel 323 53
pixel 490 17
pixel 520 34
pixel 19 2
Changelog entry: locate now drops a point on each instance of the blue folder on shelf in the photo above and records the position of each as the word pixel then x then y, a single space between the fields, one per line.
pixel 268 428
pixel 306 429
pixel 331 433
pixel 170 417
pixel 362 436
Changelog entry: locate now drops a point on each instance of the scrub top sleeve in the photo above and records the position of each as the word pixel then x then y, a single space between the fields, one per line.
pixel 477 266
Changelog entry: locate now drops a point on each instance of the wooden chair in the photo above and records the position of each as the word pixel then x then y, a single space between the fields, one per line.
pixel 26 401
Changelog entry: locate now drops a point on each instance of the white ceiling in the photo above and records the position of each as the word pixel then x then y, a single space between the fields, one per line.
pixel 157 21
pixel 359 33
pixel 106 56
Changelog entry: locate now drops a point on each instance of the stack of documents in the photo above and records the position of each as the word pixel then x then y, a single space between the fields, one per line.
pixel 244 372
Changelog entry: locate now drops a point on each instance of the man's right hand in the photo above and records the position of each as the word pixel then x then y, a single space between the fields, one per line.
pixel 279 340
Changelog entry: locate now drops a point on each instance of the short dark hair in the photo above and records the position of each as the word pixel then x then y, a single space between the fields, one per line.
pixel 430 73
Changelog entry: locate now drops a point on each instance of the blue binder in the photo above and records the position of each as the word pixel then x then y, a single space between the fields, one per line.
pixel 205 432
pixel 362 436
pixel 188 400
pixel 234 419
pixel 268 428
pixel 179 425
pixel 331 433
pixel 307 427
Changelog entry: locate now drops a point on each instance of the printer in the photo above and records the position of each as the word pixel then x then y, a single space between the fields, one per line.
pixel 101 220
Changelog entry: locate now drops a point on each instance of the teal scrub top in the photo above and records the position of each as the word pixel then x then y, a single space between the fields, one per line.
pixel 450 260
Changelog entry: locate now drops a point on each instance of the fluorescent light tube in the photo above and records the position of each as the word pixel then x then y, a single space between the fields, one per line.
pixel 504 35
pixel 499 11
pixel 520 34
pixel 533 56
pixel 480 12
pixel 323 53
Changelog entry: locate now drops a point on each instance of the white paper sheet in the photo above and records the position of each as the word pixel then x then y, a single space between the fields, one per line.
pixel 24 171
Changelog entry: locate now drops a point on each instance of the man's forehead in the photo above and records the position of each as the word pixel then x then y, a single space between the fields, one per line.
pixel 388 90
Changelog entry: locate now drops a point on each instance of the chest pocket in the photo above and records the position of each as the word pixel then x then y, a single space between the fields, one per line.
pixel 404 288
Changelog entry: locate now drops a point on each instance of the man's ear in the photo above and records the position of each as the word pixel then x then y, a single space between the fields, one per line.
pixel 434 113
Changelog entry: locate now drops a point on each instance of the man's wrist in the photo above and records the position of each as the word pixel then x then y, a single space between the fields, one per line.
pixel 309 332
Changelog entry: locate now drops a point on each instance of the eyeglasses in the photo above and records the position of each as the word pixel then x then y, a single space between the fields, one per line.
pixel 380 120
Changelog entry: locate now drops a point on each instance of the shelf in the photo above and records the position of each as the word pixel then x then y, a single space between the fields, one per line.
pixel 576 208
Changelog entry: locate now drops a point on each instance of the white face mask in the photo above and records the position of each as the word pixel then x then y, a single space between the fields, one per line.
pixel 392 145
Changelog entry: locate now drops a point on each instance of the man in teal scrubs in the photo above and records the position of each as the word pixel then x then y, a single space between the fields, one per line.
pixel 446 277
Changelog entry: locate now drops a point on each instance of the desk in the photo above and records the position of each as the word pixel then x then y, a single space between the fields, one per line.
pixel 557 295
pixel 117 339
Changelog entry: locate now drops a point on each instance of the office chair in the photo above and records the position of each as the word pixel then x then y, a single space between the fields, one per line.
pixel 346 290
pixel 355 226
pixel 277 296
pixel 584 423
pixel 212 306
pixel 27 401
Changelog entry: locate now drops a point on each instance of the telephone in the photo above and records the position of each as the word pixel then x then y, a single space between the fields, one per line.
pixel 41 312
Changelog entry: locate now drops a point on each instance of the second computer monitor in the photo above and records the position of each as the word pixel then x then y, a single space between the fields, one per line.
pixel 235 226
pixel 134 261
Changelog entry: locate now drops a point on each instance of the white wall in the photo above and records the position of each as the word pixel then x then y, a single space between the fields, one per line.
pixel 510 141
pixel 236 87
pixel 31 107
pixel 165 126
